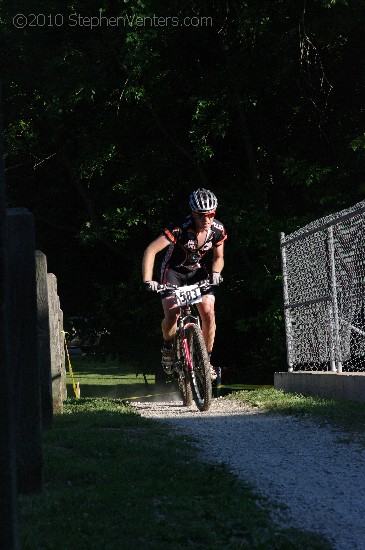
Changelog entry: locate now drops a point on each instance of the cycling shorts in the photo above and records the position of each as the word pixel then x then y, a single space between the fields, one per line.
pixel 189 278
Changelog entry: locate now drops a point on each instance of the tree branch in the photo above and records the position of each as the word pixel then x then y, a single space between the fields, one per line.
pixel 95 218
pixel 179 147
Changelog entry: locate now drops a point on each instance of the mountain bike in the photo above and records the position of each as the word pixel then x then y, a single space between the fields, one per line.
pixel 191 364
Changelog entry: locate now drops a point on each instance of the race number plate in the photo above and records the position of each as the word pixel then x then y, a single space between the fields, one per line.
pixel 188 295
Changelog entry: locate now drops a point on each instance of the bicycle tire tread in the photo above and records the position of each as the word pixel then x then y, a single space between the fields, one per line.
pixel 202 401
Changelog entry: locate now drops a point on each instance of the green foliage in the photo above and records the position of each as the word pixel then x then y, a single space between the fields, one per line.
pixel 210 122
pixel 301 174
pixel 358 144
pixel 331 3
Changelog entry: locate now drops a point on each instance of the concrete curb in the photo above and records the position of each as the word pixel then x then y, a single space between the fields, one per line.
pixel 346 386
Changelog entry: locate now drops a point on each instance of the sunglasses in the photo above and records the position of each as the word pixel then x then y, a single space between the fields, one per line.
pixel 203 215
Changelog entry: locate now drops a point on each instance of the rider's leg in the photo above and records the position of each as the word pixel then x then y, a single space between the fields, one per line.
pixel 207 315
pixel 171 312
pixel 168 330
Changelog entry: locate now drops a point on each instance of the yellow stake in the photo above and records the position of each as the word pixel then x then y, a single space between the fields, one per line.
pixel 75 386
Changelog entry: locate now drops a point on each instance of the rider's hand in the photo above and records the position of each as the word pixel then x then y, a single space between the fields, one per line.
pixel 216 278
pixel 151 285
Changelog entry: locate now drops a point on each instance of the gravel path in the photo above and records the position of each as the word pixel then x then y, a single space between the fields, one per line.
pixel 313 470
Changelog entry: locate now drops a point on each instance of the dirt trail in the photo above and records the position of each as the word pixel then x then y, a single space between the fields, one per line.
pixel 314 471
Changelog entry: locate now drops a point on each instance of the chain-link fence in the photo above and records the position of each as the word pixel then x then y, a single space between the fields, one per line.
pixel 323 280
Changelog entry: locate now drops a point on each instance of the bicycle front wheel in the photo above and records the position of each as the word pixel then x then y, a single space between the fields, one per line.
pixel 185 388
pixel 200 377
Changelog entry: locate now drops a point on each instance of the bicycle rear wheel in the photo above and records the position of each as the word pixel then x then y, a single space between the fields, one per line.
pixel 200 377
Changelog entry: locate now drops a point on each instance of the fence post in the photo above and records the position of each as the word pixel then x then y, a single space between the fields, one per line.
pixel 288 330
pixel 332 338
pixel 24 348
pixel 44 344
pixel 62 351
pixel 331 250
pixel 9 538
pixel 58 370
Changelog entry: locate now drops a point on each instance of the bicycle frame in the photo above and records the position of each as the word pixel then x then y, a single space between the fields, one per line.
pixel 186 319
pixel 191 361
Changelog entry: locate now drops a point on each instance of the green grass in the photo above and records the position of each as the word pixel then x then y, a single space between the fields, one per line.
pixel 347 415
pixel 109 379
pixel 114 480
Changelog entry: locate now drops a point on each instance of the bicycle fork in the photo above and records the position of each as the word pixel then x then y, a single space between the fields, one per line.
pixel 186 350
pixel 184 322
pixel 187 355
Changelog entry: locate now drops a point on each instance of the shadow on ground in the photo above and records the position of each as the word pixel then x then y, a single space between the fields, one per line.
pixel 141 392
pixel 129 392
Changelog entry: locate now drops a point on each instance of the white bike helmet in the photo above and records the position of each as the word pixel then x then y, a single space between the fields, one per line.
pixel 203 200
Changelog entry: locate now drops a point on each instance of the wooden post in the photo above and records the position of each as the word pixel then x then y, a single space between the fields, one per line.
pixel 57 346
pixel 24 348
pixel 62 351
pixel 44 344
pixel 8 498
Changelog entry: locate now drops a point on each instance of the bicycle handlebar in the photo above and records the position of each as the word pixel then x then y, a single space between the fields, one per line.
pixel 205 283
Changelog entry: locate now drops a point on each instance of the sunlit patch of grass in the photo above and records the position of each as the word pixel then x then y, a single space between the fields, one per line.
pixel 348 415
pixel 108 379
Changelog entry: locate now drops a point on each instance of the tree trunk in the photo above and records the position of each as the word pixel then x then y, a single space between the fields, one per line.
pixel 8 497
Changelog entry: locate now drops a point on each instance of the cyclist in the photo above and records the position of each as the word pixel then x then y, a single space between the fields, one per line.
pixel 187 242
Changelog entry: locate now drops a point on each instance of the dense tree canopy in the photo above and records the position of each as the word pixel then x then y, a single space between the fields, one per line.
pixel 109 128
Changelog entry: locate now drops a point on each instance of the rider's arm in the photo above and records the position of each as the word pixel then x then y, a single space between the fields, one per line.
pixel 149 256
pixel 218 258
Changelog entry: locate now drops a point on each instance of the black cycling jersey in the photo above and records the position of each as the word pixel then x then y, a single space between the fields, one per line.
pixel 183 254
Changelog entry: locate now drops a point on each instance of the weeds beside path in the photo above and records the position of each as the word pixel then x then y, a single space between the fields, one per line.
pixel 345 415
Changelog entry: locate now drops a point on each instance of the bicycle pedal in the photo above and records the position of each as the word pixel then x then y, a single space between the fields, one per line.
pixel 167 369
